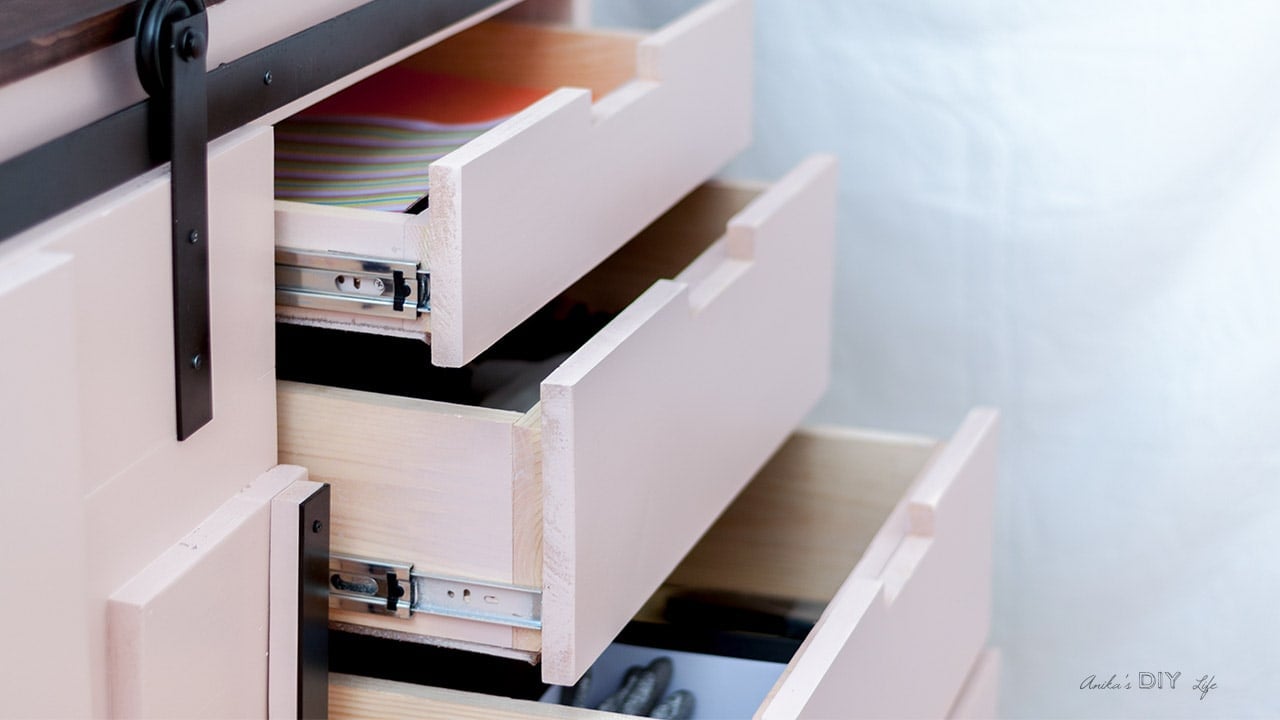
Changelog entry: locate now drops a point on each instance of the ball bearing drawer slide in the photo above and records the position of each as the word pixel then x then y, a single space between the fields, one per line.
pixel 384 587
pixel 351 283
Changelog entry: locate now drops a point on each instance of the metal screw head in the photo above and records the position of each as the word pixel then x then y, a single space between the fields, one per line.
pixel 197 361
pixel 191 45
pixel 194 237
pixel 266 78
pixel 317 526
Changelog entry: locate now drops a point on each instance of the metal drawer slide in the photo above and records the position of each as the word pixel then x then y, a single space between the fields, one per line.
pixel 351 283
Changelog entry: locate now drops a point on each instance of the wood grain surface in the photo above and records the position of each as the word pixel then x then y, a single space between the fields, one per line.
pixel 38 34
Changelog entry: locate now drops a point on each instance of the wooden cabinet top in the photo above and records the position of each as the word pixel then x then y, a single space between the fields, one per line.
pixel 38 34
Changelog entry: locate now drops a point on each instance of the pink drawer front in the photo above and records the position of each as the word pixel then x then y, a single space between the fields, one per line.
pixel 89 447
pixel 632 123
pixel 642 436
pixel 900 635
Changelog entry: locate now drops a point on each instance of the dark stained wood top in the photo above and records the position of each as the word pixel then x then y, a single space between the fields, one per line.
pixel 38 34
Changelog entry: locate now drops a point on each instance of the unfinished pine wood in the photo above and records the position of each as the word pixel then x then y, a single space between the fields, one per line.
pixel 41 505
pixel 39 34
pixel 188 634
pixel 658 421
pixel 282 625
pixel 532 205
pixel 670 246
pixel 922 588
pixel 802 523
pixel 416 481
pixel 460 490
pixel 980 698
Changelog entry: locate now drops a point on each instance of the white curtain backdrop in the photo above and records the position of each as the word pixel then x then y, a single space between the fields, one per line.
pixel 1070 211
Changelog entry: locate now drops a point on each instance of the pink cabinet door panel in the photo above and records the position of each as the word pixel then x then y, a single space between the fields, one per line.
pixel 189 633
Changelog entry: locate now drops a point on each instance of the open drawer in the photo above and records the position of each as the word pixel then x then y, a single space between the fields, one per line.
pixel 641 438
pixel 627 124
pixel 891 533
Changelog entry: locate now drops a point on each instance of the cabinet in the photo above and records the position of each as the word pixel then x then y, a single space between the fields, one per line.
pixel 588 503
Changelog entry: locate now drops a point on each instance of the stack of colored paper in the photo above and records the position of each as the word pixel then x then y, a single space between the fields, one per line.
pixel 369 146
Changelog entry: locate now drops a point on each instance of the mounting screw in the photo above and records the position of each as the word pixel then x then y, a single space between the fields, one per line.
pixel 191 45
pixel 194 237
pixel 197 361
pixel 266 78
pixel 317 526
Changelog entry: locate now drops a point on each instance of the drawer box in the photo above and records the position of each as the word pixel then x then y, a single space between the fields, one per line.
pixel 524 210
pixel 641 438
pixel 893 533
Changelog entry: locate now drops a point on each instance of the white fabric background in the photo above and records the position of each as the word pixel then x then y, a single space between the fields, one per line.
pixel 1067 210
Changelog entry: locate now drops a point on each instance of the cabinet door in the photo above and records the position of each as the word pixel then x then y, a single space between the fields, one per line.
pixel 92 471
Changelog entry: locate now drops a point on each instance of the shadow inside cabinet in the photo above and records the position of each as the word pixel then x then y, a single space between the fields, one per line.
pixel 386 659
